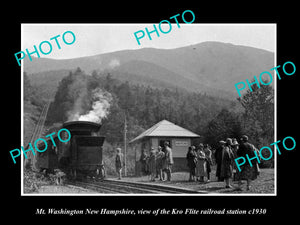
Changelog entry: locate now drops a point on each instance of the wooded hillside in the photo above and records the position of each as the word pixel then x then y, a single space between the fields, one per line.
pixel 213 118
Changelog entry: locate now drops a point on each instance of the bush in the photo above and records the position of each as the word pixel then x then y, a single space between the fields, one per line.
pixel 33 180
pixel 266 154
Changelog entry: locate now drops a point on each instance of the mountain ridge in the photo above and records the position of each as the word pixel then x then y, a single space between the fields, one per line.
pixel 214 67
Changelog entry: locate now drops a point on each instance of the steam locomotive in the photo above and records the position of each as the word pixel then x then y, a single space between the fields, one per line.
pixel 79 157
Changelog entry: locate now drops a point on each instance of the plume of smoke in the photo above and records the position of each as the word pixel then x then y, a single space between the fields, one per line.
pixel 84 99
pixel 100 107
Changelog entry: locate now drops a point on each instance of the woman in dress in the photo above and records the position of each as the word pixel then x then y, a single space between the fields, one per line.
pixel 208 159
pixel 201 164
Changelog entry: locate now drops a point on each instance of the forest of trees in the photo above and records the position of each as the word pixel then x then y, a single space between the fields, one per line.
pixel 31 95
pixel 212 118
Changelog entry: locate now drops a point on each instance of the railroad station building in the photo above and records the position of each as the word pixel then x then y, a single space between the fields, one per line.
pixel 178 137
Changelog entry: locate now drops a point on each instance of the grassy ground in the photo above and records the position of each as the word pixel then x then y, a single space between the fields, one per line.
pixel 38 183
pixel 264 184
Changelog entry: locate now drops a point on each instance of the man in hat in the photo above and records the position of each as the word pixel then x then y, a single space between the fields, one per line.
pixel 159 162
pixel 247 172
pixel 227 161
pixel 119 162
pixel 143 160
pixel 168 160
pixel 152 164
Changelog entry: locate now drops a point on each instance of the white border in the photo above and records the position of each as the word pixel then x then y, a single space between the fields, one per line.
pixel 22 115
pixel 275 113
pixel 156 195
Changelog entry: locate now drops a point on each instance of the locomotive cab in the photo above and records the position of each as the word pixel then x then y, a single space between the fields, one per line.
pixel 84 151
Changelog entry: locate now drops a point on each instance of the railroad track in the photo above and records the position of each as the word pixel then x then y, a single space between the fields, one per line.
pixel 125 187
pixel 37 132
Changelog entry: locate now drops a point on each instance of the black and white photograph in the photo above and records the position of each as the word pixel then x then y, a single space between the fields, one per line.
pixel 128 109
pixel 149 113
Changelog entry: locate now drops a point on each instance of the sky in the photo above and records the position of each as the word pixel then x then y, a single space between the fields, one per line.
pixel 93 39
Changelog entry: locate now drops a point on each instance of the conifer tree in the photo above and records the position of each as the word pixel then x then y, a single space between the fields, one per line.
pixel 258 117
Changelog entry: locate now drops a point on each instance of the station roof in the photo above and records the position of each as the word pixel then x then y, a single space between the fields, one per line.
pixel 165 129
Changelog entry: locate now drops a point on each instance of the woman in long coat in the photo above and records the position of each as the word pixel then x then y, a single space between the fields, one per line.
pixel 201 164
pixel 191 157
pixel 218 157
pixel 247 172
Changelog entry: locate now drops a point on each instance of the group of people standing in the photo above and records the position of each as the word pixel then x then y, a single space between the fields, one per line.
pixel 159 163
pixel 199 162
